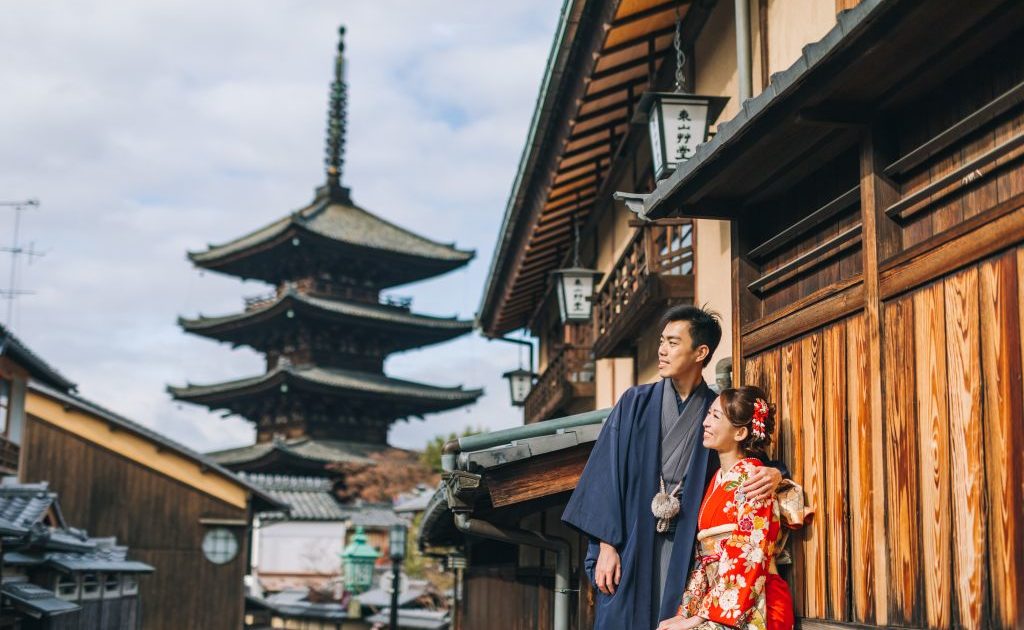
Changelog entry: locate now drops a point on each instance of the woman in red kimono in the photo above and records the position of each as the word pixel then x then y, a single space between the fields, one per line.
pixel 734 582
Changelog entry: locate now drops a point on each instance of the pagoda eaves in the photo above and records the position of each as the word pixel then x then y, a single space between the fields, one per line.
pixel 399 328
pixel 333 234
pixel 388 396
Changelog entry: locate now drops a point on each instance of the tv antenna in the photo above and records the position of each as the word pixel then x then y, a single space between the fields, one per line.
pixel 12 292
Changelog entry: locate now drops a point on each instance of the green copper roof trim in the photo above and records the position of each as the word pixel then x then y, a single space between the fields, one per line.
pixel 481 441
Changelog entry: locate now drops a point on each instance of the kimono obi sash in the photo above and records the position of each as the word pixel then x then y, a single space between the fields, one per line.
pixel 709 543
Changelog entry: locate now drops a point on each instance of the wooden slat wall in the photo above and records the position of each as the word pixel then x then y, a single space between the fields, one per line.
pixel 156 516
pixel 954 404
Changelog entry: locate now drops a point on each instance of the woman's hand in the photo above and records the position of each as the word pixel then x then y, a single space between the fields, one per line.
pixel 762 483
pixel 680 623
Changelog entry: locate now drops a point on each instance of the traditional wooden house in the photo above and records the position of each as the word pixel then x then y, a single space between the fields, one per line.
pixel 177 510
pixel 859 198
pixel 876 197
pixel 58 578
pixel 326 330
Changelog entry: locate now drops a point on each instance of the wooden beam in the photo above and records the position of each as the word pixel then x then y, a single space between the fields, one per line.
pixel 536 477
pixel 648 12
pixel 965 175
pixel 813 256
pixel 819 216
pixel 956 132
pixel 964 244
pixel 815 311
pixel 636 41
pixel 629 65
pixel 881 239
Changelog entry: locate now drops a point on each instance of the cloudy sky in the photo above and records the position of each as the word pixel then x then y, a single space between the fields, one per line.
pixel 147 129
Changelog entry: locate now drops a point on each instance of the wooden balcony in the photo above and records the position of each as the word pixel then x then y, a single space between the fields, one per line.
pixel 9 452
pixel 566 386
pixel 654 272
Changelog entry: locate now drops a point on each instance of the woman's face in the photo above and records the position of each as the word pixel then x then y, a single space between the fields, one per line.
pixel 719 434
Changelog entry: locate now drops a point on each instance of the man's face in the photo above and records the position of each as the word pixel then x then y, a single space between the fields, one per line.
pixel 676 354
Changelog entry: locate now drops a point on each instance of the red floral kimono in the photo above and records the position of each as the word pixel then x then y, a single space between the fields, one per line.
pixel 734 582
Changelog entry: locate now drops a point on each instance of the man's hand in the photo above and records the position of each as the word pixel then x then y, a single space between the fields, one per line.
pixel 762 484
pixel 680 623
pixel 608 569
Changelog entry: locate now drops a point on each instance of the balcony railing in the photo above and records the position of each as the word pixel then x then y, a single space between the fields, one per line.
pixel 654 271
pixel 569 377
pixel 9 452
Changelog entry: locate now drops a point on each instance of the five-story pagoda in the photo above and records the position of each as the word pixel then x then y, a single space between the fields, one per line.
pixel 325 330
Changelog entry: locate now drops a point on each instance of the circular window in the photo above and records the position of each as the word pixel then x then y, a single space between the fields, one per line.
pixel 220 545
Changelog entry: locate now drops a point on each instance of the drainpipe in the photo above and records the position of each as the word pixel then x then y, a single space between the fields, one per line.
pixel 743 60
pixel 483 529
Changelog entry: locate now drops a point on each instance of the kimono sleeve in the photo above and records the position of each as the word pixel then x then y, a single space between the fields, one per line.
pixel 597 506
pixel 742 566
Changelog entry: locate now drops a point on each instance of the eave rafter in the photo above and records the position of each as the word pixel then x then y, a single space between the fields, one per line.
pixel 633 45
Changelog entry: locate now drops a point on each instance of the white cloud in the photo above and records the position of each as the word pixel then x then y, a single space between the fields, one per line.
pixel 148 129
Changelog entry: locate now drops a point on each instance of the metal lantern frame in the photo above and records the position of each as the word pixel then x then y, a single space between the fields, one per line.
pixel 519 376
pixel 575 287
pixel 701 112
pixel 359 559
pixel 397 538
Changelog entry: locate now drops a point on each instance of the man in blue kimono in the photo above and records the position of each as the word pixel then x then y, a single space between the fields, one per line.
pixel 651 444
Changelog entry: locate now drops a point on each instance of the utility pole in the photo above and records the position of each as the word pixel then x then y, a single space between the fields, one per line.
pixel 16 251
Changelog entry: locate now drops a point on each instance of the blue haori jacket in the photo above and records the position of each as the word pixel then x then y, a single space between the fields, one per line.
pixel 612 503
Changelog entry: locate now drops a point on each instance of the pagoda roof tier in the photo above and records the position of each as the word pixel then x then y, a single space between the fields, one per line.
pixel 404 329
pixel 333 233
pixel 299 454
pixel 390 397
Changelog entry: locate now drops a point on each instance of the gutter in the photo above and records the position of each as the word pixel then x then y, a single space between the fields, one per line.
pixel 563 570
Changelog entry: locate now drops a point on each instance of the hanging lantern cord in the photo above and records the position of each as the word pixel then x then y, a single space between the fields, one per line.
pixel 576 234
pixel 677 42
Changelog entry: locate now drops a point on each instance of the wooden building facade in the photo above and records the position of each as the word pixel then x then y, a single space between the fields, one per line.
pixel 868 199
pixel 177 510
pixel 877 200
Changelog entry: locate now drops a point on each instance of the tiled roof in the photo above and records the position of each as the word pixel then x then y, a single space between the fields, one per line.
pixel 293 604
pixel 414 619
pixel 408 329
pixel 149 434
pixel 35 600
pixel 372 515
pixel 24 505
pixel 308 498
pixel 756 109
pixel 320 451
pixel 344 223
pixel 11 346
pixel 343 381
pixel 355 310
pixel 106 556
pixel 416 503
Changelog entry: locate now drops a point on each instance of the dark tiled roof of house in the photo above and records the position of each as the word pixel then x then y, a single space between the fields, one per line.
pixel 11 346
pixel 308 498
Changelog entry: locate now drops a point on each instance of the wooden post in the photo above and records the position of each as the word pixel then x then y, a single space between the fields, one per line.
pixel 880 241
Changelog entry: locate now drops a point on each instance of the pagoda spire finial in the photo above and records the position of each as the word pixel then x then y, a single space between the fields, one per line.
pixel 336 121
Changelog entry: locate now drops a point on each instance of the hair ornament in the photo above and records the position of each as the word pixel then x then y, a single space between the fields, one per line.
pixel 760 413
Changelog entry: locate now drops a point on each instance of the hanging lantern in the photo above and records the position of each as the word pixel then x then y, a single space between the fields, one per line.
pixel 575 289
pixel 677 123
pixel 359 559
pixel 520 382
pixel 575 285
